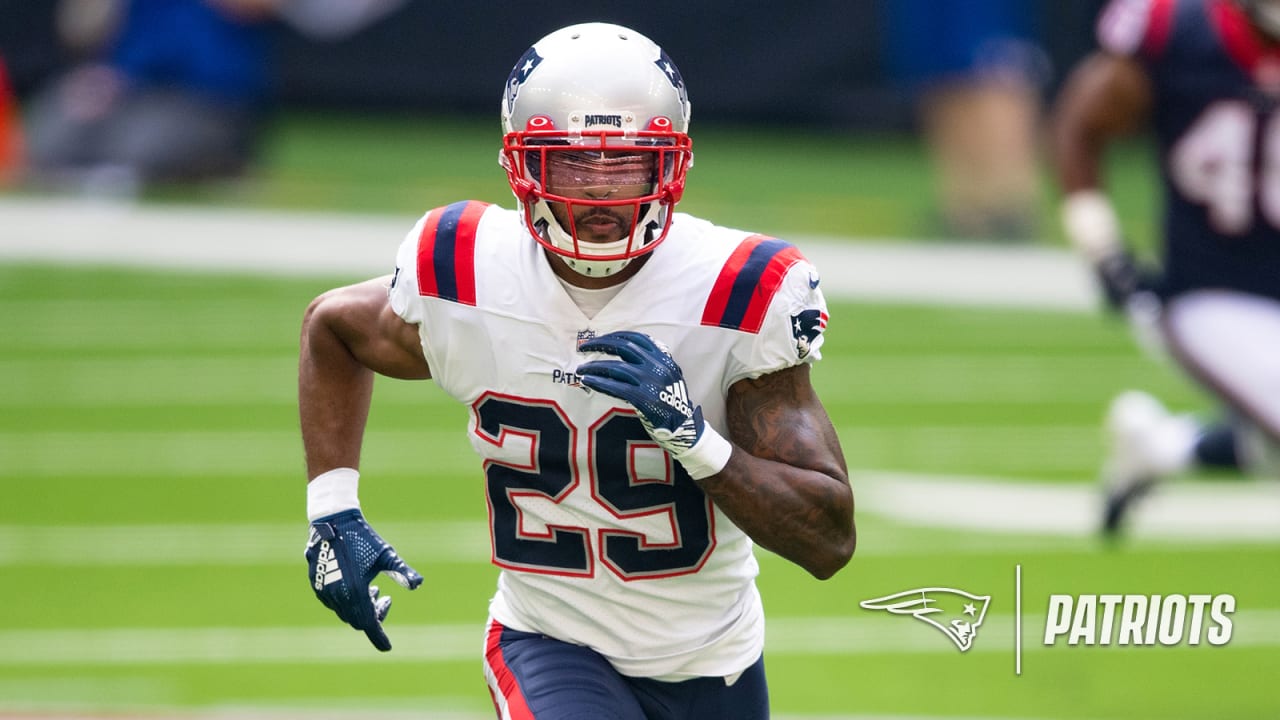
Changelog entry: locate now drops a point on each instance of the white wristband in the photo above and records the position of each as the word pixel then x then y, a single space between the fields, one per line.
pixel 1091 225
pixel 332 492
pixel 708 456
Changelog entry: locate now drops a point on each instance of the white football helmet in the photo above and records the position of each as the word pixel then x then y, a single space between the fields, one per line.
pixel 600 100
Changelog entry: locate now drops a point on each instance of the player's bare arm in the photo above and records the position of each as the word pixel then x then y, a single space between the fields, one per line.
pixel 786 484
pixel 1106 97
pixel 348 334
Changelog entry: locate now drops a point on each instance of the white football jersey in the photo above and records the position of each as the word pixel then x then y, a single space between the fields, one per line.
pixel 604 541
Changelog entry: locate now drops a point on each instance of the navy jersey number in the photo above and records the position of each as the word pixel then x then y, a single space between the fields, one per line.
pixel 549 474
pixel 617 487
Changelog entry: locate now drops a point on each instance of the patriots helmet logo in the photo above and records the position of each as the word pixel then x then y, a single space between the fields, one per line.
pixel 669 69
pixel 520 73
pixel 956 613
pixel 805 328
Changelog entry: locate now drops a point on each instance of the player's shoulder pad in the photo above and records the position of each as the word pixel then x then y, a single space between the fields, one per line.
pixel 747 282
pixel 1136 27
pixel 446 263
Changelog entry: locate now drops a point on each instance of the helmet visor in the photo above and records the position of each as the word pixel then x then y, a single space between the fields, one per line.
pixel 625 173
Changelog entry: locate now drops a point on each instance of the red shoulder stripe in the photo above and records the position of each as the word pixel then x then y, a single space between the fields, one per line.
pixel 446 252
pixel 748 281
pixel 723 287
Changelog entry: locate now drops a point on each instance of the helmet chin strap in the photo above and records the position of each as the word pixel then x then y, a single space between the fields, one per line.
pixel 583 265
pixel 545 225
pixel 595 268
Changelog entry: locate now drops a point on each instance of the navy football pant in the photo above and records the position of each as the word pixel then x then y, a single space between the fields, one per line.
pixel 534 677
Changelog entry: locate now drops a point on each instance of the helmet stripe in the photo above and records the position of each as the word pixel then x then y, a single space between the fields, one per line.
pixel 747 283
pixel 446 252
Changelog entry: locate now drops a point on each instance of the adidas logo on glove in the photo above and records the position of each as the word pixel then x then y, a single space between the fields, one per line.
pixel 677 397
pixel 327 569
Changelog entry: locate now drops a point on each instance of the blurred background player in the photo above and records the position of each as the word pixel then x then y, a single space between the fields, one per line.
pixel 10 130
pixel 1206 75
pixel 166 90
pixel 974 70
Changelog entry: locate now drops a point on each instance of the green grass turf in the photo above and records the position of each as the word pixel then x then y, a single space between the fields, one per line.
pixel 152 481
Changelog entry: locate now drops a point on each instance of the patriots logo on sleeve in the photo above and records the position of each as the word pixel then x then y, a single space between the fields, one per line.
pixel 805 328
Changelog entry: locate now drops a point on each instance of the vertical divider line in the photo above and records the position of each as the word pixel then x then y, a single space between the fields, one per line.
pixel 1017 620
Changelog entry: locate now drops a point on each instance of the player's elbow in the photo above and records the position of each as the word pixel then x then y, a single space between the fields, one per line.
pixel 314 314
pixel 837 545
pixel 842 538
pixel 838 554
pixel 320 310
pixel 320 337
pixel 322 318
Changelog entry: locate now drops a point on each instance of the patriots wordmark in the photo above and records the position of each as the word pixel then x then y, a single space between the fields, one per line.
pixel 1139 619
pixel 614 120
pixel 566 377
pixel 955 612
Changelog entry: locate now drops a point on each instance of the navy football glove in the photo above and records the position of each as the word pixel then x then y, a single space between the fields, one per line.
pixel 344 555
pixel 648 378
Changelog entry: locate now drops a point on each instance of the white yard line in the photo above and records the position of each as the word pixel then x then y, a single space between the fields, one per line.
pixel 298 243
pixel 1220 511
pixel 256 241
pixel 866 634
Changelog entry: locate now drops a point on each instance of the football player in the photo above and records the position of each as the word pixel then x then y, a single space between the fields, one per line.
pixel 639 391
pixel 1205 76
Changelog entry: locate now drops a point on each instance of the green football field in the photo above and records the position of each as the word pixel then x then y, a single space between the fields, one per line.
pixel 152 524
pixel 152 528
